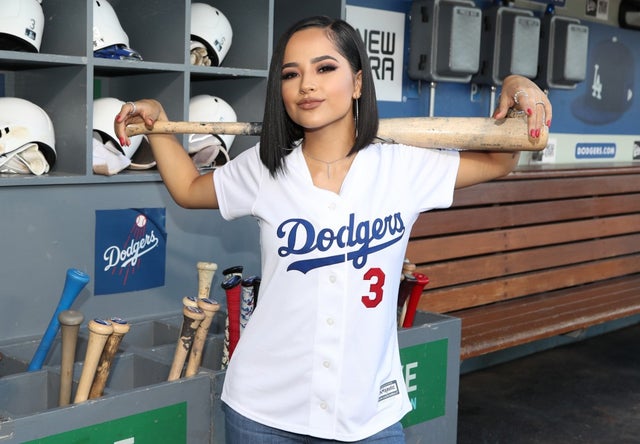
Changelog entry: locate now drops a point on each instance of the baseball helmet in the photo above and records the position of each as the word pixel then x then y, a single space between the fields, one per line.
pixel 23 122
pixel 21 25
pixel 210 27
pixel 105 110
pixel 207 108
pixel 107 30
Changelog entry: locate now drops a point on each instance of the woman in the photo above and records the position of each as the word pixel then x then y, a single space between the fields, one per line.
pixel 319 359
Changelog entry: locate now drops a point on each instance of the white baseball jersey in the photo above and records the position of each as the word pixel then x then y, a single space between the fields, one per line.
pixel 320 355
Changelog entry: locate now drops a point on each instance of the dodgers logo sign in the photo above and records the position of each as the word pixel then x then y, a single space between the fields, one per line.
pixel 130 250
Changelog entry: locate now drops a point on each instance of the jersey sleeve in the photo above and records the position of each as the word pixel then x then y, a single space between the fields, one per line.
pixel 428 175
pixel 237 184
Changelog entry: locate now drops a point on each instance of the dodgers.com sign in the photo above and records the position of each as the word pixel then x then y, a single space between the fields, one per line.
pixel 130 250
pixel 595 150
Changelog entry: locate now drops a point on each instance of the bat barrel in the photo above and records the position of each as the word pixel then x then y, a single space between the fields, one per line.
pixel 463 133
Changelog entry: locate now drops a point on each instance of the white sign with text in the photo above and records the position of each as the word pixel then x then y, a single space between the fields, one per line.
pixel 383 35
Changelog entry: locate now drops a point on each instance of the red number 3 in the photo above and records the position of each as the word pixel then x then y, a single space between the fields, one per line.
pixel 376 276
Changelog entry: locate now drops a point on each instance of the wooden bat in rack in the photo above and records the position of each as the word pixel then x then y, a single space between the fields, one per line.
pixel 120 328
pixel 70 321
pixel 206 271
pixel 209 307
pixel 463 133
pixel 191 318
pixel 99 332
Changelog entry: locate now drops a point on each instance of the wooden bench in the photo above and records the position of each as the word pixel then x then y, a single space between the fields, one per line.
pixel 533 255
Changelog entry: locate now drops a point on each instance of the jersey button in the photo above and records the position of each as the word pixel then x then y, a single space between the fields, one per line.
pixel 332 279
pixel 326 364
pixel 323 405
pixel 332 206
pixel 330 321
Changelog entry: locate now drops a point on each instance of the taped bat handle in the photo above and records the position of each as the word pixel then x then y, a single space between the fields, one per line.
pixel 74 282
pixel 256 291
pixel 232 288
pixel 416 292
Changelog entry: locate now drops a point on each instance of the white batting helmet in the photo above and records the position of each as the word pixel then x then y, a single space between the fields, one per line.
pixel 210 27
pixel 105 110
pixel 21 25
pixel 107 30
pixel 23 122
pixel 207 108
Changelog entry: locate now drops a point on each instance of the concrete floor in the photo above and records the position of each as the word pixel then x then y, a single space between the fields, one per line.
pixel 586 393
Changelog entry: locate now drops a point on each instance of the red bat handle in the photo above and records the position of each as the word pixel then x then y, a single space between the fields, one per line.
pixel 416 292
pixel 404 291
pixel 233 291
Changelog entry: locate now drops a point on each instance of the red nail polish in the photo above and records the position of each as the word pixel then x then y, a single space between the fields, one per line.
pixel 537 133
pixel 529 111
pixel 532 133
pixel 122 141
pixel 548 123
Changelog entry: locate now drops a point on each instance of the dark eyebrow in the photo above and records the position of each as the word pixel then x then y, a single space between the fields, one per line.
pixel 313 60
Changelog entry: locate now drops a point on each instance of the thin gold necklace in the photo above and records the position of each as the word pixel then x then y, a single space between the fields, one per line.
pixel 328 164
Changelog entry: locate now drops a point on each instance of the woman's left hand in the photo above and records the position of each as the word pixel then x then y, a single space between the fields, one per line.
pixel 522 94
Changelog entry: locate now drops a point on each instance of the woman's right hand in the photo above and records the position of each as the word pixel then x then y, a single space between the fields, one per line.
pixel 146 111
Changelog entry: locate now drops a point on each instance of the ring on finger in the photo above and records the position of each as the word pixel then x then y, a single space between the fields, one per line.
pixel 540 103
pixel 515 96
pixel 133 107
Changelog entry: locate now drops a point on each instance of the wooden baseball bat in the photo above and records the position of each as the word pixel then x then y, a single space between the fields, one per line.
pixel 74 282
pixel 463 133
pixel 120 328
pixel 206 271
pixel 99 332
pixel 70 321
pixel 209 307
pixel 192 316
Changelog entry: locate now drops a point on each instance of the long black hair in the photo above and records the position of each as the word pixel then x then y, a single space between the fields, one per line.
pixel 279 132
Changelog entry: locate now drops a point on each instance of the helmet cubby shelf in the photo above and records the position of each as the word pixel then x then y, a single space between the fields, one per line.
pixel 144 49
